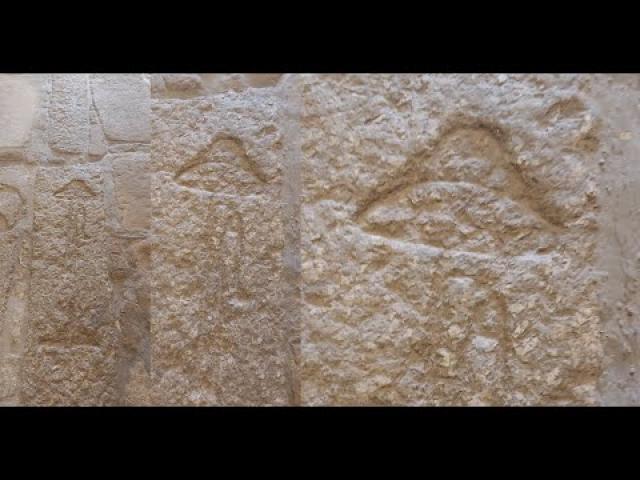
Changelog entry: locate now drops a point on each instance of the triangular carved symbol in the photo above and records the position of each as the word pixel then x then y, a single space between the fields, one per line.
pixel 223 166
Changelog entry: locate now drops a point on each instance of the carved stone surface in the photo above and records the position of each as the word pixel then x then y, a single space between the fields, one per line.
pixel 69 114
pixel 71 335
pixel 15 224
pixel 132 190
pixel 270 239
pixel 219 332
pixel 447 237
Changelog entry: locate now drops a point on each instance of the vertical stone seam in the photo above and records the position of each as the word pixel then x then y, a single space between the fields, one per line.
pixel 288 93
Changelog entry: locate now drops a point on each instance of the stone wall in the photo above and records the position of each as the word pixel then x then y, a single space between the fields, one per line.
pixel 254 239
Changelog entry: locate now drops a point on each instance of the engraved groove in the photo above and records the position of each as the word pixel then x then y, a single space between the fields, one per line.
pixel 75 189
pixel 466 195
pixel 223 166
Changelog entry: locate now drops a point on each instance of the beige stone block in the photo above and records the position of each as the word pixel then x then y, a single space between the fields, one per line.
pixel 122 103
pixel 68 128
pixel 18 105
pixel 219 332
pixel 131 179
pixel 447 241
pixel 16 185
pixel 72 336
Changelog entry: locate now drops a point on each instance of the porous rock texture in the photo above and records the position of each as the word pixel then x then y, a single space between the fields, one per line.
pixel 220 334
pixel 267 239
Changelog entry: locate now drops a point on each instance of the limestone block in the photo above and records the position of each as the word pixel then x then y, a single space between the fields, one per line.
pixel 16 184
pixel 72 337
pixel 447 241
pixel 130 214
pixel 97 141
pixel 185 85
pixel 219 333
pixel 132 190
pixel 130 304
pixel 122 102
pixel 617 99
pixel 18 105
pixel 268 239
pixel 69 113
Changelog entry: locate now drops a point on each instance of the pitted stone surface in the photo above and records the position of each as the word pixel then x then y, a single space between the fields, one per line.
pixel 448 229
pixel 16 186
pixel 71 334
pixel 219 332
pixel 270 239
pixel 132 190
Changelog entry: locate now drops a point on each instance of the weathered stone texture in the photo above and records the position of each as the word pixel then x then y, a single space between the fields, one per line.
pixel 616 99
pixel 69 114
pixel 122 102
pixel 130 306
pixel 18 104
pixel 72 335
pixel 79 333
pixel 98 145
pixel 219 332
pixel 132 190
pixel 447 238
pixel 193 85
pixel 15 225
pixel 130 269
pixel 268 239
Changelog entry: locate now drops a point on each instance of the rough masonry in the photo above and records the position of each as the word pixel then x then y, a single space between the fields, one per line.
pixel 268 239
